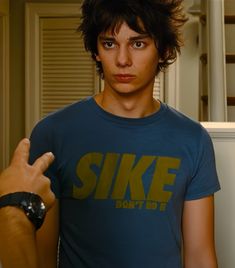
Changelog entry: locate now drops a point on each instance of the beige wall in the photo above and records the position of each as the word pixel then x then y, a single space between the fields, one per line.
pixel 4 6
pixel 189 67
pixel 229 7
pixel 17 63
pixel 4 73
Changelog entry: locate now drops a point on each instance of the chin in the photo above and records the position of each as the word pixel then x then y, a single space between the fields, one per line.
pixel 127 92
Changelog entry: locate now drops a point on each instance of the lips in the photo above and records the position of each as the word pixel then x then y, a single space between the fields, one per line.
pixel 124 78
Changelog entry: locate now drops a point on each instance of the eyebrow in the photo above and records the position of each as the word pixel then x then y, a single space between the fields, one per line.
pixel 133 38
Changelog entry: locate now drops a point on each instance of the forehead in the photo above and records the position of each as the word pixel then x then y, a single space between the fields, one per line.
pixel 136 25
pixel 123 29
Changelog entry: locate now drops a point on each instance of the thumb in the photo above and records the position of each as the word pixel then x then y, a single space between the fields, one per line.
pixel 21 154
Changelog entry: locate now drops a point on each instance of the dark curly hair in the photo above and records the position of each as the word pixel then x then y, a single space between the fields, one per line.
pixel 161 19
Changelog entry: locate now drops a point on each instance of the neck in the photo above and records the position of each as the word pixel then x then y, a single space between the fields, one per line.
pixel 125 105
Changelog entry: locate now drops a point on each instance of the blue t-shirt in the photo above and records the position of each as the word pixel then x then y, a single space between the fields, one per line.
pixel 122 183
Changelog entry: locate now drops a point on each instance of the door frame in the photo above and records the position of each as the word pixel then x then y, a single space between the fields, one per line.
pixel 4 85
pixel 33 13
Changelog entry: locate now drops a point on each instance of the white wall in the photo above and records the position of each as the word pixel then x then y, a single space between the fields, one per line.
pixel 223 137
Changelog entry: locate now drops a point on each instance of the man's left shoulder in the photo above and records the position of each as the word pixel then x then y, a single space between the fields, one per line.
pixel 184 121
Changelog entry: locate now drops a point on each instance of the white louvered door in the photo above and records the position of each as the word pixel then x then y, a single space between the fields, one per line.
pixel 67 72
pixel 158 89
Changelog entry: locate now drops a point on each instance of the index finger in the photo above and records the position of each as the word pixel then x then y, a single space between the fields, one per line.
pixel 21 153
pixel 43 162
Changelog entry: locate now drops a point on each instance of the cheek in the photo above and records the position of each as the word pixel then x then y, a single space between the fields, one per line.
pixel 107 64
pixel 149 59
pixel 154 59
pixel 150 63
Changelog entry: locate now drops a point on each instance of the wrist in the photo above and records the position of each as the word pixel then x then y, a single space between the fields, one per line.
pixel 31 204
pixel 15 217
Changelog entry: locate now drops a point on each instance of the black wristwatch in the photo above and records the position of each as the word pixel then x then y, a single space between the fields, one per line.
pixel 31 204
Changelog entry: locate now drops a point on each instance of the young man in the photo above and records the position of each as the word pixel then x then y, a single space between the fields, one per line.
pixel 17 233
pixel 131 174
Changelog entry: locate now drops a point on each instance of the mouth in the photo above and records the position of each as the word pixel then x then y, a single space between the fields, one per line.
pixel 124 78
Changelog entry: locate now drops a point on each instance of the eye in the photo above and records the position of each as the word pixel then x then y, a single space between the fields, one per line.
pixel 108 44
pixel 138 44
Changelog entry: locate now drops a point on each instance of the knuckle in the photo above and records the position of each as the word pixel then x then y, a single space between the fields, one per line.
pixel 47 182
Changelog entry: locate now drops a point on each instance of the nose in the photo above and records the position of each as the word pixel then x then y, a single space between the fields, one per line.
pixel 123 57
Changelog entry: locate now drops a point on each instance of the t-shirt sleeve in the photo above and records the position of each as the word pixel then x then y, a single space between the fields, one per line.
pixel 41 142
pixel 204 180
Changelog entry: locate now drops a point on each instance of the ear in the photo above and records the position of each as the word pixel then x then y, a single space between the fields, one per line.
pixel 97 57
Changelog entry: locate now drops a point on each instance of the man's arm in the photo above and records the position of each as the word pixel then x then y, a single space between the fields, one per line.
pixel 47 238
pixel 17 239
pixel 198 233
pixel 17 233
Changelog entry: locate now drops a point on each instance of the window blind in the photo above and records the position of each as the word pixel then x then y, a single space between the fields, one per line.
pixel 67 71
pixel 158 89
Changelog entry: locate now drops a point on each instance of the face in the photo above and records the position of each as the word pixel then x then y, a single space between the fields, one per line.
pixel 129 60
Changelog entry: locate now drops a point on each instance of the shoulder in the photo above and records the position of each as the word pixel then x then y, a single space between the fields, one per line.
pixel 74 109
pixel 184 125
pixel 64 116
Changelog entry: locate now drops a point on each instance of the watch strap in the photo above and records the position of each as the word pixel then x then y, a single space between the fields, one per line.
pixel 30 203
pixel 13 199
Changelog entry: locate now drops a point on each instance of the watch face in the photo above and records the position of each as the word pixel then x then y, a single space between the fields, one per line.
pixel 34 208
pixel 37 206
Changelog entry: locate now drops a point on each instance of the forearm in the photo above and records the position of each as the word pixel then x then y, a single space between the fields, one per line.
pixel 198 233
pixel 201 264
pixel 17 239
pixel 203 259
